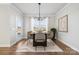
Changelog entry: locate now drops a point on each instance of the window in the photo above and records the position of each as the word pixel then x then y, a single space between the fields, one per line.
pixel 41 25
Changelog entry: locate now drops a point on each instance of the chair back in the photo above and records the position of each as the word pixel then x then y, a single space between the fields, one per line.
pixel 39 36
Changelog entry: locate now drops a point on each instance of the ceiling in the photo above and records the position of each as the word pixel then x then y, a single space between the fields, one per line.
pixel 45 8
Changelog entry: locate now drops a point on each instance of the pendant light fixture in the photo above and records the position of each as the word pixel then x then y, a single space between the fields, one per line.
pixel 39 18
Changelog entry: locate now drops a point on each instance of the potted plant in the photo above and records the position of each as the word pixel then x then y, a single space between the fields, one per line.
pixel 54 33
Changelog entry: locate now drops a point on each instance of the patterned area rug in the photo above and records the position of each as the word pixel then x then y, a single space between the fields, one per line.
pixel 51 47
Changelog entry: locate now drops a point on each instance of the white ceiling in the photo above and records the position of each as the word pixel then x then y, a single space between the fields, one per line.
pixel 46 8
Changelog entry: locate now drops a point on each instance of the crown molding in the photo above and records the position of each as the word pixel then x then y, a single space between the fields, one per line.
pixel 12 4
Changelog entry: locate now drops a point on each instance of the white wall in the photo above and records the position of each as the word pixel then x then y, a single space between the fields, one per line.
pixel 51 22
pixel 27 25
pixel 8 17
pixel 72 36
pixel 4 26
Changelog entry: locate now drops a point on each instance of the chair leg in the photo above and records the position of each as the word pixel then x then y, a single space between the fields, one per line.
pixel 27 42
pixel 44 48
pixel 36 48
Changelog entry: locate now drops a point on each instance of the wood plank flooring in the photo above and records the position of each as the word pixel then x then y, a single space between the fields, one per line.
pixel 12 50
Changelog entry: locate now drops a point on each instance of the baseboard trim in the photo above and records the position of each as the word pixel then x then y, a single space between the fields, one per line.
pixel 69 45
pixel 12 44
pixel 4 45
pixel 15 43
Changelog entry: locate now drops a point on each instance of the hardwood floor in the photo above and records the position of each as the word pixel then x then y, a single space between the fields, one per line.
pixel 12 50
pixel 67 50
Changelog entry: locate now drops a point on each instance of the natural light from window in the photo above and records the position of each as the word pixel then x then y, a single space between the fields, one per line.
pixel 41 25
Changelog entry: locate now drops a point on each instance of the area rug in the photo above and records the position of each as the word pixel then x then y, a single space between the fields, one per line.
pixel 51 47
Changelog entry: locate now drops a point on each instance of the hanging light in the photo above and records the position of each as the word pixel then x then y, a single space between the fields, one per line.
pixel 39 18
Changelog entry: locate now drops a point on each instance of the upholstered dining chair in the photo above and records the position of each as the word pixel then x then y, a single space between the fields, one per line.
pixel 52 34
pixel 39 39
